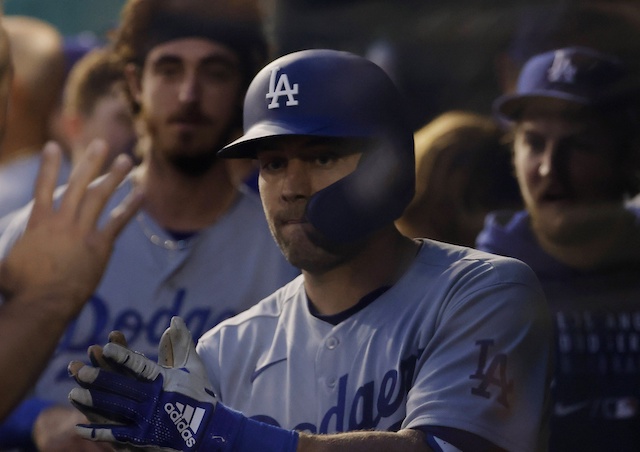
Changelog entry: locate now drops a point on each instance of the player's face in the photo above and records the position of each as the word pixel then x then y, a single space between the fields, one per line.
pixel 190 95
pixel 292 169
pixel 566 174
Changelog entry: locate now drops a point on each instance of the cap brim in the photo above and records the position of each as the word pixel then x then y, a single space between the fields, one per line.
pixel 510 106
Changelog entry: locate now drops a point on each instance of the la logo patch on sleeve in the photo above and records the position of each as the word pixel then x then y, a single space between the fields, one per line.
pixel 491 374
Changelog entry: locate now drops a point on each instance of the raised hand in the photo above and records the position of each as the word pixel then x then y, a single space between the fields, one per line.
pixel 63 253
pixel 53 269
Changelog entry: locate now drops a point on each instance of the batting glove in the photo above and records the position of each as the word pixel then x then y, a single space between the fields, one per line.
pixel 172 408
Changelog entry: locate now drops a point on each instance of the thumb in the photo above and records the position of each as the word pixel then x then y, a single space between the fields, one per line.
pixel 178 350
pixel 176 347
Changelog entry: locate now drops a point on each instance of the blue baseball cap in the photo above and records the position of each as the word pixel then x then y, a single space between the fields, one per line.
pixel 574 74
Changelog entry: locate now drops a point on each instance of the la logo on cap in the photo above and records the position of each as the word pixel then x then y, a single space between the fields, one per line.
pixel 562 69
pixel 282 88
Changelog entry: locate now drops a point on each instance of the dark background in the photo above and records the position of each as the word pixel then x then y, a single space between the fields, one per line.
pixel 443 54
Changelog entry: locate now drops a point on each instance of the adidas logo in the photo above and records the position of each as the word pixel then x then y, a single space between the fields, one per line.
pixel 187 420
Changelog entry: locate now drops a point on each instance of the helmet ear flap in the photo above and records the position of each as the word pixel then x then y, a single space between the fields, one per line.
pixel 374 195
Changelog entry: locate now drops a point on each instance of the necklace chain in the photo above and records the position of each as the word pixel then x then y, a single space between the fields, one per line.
pixel 167 244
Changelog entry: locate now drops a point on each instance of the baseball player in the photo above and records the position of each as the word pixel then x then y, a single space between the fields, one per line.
pixel 383 343
pixel 200 247
pixel 574 118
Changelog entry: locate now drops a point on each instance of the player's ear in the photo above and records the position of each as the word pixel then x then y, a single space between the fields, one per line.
pixel 133 77
pixel 71 125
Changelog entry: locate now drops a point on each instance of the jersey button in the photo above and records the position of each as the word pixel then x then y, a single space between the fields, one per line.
pixel 332 343
pixel 331 382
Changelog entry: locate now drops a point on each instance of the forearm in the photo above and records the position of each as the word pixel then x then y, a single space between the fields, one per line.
pixel 371 441
pixel 31 327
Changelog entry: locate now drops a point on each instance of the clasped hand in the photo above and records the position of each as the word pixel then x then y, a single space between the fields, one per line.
pixel 146 403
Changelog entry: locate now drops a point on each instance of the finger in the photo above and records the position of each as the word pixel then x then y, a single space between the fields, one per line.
pixel 95 432
pixel 117 337
pixel 92 415
pixel 97 360
pixel 124 435
pixel 101 190
pixel 47 179
pixel 86 170
pixel 112 407
pixel 111 385
pixel 135 362
pixel 95 351
pixel 123 213
pixel 74 367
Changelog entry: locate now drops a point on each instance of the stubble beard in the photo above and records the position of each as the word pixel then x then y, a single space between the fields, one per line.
pixel 313 252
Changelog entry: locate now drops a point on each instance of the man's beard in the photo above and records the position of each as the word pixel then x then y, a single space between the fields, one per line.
pixel 195 165
pixel 197 160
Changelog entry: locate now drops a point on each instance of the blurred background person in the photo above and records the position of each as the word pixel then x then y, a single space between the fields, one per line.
pixel 574 117
pixel 95 105
pixel 39 69
pixel 463 171
pixel 43 293
pixel 200 247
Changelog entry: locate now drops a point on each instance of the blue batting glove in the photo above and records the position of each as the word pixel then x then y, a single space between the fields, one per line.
pixel 173 408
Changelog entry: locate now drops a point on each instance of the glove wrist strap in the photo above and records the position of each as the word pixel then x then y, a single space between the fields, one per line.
pixel 231 431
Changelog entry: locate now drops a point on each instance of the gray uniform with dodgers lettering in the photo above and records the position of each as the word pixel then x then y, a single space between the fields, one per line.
pixel 455 342
pixel 223 270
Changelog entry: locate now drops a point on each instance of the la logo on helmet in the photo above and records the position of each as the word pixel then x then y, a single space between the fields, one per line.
pixel 282 88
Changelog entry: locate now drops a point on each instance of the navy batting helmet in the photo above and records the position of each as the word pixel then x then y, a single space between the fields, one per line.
pixel 330 93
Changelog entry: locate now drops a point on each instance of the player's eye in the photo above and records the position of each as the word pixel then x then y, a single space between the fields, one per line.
pixel 272 164
pixel 168 69
pixel 534 142
pixel 325 159
pixel 220 72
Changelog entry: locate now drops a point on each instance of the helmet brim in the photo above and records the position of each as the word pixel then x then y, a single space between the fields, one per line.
pixel 245 146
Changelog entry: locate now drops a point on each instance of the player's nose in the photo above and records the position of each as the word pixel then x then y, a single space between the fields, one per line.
pixel 189 88
pixel 295 181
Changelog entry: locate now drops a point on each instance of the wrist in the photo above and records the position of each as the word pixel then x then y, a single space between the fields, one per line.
pixel 230 430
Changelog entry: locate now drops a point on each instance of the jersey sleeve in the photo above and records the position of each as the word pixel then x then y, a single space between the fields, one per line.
pixel 486 370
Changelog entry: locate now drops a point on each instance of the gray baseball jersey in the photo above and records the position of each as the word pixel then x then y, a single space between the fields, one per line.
pixel 221 271
pixel 461 340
